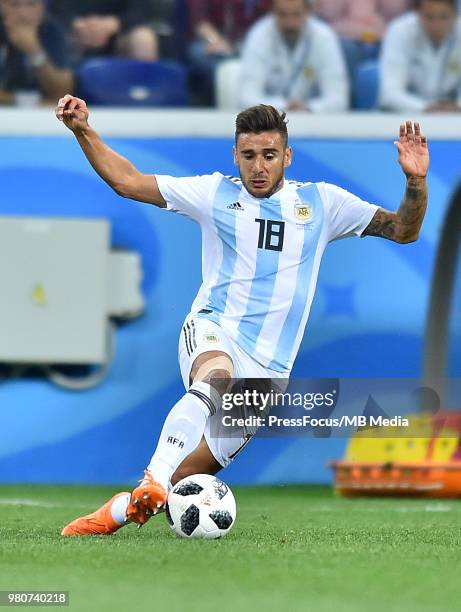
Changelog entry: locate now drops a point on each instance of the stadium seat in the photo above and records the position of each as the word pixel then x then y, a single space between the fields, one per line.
pixel 127 82
pixel 365 86
pixel 227 85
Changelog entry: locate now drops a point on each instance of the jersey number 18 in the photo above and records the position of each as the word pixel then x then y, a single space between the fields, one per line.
pixel 271 234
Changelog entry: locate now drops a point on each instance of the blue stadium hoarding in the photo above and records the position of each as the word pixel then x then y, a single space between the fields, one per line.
pixel 368 317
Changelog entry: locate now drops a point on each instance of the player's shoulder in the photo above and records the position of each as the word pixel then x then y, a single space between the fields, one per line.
pixel 327 191
pixel 210 181
pixel 199 187
pixel 294 184
pixel 306 189
pixel 330 190
pixel 205 180
pixel 227 181
pixel 235 180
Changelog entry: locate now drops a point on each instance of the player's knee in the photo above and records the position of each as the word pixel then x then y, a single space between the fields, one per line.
pixel 209 362
pixel 219 379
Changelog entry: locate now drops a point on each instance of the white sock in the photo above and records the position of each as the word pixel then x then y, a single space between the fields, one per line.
pixel 118 508
pixel 182 431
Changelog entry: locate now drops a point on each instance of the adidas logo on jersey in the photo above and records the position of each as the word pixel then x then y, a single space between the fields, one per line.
pixel 236 206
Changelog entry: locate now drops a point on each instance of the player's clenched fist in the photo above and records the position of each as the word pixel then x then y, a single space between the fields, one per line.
pixel 73 112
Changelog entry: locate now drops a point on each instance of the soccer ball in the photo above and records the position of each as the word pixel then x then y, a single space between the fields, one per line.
pixel 201 506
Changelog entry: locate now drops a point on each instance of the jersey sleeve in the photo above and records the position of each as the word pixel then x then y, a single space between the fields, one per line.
pixel 347 214
pixel 190 196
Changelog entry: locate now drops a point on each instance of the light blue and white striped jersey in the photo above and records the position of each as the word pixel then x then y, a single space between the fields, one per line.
pixel 261 257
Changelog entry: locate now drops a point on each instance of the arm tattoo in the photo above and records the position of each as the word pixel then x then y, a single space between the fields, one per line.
pixel 382 225
pixel 413 207
pixel 404 225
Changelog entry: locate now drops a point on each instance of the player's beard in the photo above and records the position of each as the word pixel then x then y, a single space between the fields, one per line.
pixel 270 192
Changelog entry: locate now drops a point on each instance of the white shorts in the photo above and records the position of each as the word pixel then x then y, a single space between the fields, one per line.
pixel 199 335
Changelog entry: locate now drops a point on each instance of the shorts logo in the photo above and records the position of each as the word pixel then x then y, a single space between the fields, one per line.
pixel 211 338
pixel 303 212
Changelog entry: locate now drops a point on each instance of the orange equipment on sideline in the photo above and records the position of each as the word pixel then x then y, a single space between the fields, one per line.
pixel 425 463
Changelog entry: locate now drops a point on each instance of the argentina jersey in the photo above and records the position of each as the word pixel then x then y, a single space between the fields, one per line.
pixel 261 257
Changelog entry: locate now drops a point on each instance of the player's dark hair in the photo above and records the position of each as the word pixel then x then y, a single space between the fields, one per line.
pixel 261 118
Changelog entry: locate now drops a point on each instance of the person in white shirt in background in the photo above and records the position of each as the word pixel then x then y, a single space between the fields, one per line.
pixel 421 59
pixel 293 61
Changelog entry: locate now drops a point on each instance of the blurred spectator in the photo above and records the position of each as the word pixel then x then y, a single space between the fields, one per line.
pixel 421 59
pixel 34 58
pixel 292 60
pixel 217 29
pixel 360 24
pixel 110 27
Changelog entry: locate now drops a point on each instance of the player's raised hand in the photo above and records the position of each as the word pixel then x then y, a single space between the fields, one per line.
pixel 73 112
pixel 413 151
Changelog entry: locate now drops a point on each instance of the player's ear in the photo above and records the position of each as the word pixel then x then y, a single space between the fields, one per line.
pixel 288 157
pixel 234 149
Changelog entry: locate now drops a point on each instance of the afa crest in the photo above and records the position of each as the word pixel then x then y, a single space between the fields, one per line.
pixel 304 212
pixel 210 337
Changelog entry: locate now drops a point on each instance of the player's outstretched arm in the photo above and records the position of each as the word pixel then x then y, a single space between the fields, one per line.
pixel 403 226
pixel 114 169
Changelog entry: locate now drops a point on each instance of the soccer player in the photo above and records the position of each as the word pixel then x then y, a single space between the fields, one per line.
pixel 263 239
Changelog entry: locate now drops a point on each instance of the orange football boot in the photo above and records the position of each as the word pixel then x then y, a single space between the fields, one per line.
pixel 146 500
pixel 99 522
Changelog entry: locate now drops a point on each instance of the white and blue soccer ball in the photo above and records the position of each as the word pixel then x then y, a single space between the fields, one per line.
pixel 201 506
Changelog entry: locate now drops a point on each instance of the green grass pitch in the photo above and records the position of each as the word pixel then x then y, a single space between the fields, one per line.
pixel 292 548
